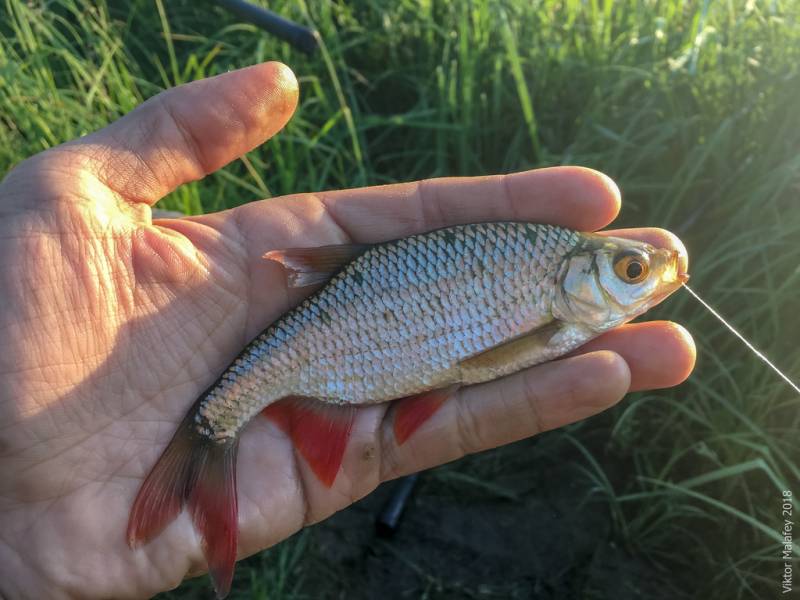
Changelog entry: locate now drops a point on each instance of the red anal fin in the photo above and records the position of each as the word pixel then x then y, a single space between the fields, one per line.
pixel 410 413
pixel 319 431
pixel 309 266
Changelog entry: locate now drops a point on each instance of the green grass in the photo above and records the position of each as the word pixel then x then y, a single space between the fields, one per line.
pixel 691 106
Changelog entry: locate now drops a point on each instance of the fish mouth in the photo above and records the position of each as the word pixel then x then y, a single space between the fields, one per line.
pixel 673 279
pixel 681 276
pixel 674 271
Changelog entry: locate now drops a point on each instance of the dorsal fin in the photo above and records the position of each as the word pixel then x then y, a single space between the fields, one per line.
pixel 309 266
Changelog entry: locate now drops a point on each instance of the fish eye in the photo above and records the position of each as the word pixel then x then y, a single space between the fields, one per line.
pixel 631 267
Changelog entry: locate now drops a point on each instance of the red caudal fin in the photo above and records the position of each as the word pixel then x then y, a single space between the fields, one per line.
pixel 201 473
pixel 410 413
pixel 308 266
pixel 162 494
pixel 215 513
pixel 319 431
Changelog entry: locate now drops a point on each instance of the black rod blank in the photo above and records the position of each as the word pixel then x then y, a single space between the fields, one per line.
pixel 304 39
pixel 389 517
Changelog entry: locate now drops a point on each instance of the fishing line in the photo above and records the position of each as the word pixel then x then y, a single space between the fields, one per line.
pixel 741 337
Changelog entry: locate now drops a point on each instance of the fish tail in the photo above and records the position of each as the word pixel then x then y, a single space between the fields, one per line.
pixel 200 473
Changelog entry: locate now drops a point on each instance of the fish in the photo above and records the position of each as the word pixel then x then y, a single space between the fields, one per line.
pixel 414 318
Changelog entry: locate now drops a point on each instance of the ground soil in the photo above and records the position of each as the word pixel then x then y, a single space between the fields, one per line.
pixel 540 541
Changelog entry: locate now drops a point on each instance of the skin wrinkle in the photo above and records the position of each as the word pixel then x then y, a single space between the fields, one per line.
pixel 200 165
pixel 122 467
pixel 371 447
pixel 65 450
pixel 511 205
pixel 63 281
pixel 168 364
pixel 467 430
pixel 149 137
pixel 171 248
pixel 112 172
pixel 468 424
pixel 341 234
pixel 229 235
pixel 110 420
pixel 299 477
pixel 532 401
pixel 209 335
pixel 46 574
pixel 199 269
pixel 356 492
pixel 426 199
pixel 21 562
pixel 153 149
pixel 39 368
pixel 247 260
pixel 105 163
pixel 388 464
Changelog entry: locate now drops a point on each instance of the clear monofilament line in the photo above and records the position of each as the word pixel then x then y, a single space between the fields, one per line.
pixel 741 337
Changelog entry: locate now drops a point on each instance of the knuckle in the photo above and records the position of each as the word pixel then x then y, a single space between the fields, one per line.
pixel 388 459
pixel 532 394
pixel 469 435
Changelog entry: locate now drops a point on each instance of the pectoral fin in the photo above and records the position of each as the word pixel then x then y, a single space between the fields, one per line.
pixel 523 351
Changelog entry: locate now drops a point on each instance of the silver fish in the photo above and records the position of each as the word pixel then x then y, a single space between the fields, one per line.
pixel 416 317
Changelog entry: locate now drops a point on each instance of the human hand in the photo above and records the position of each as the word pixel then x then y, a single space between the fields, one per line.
pixel 112 324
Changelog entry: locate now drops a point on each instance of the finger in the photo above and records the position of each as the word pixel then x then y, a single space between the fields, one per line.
pixel 187 132
pixel 515 407
pixel 660 354
pixel 570 196
pixel 574 197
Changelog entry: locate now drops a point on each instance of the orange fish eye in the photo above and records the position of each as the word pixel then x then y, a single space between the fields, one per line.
pixel 632 267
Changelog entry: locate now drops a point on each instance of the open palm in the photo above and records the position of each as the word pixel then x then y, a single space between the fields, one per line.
pixel 111 324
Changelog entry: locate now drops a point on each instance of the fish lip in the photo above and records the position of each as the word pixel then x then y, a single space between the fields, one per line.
pixel 671 284
pixel 680 275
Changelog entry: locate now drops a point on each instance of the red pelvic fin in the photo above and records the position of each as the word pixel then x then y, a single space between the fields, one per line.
pixel 319 431
pixel 201 473
pixel 309 266
pixel 410 413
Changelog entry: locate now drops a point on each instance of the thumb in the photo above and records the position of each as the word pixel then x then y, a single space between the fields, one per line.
pixel 187 132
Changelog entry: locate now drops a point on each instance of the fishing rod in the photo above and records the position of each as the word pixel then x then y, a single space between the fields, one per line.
pixel 389 518
pixel 302 38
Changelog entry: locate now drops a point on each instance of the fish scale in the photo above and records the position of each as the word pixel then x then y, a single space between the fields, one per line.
pixel 415 319
pixel 450 294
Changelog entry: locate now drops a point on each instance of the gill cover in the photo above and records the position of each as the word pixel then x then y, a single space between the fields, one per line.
pixel 608 281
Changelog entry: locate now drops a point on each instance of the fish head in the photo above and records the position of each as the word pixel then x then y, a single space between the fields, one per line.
pixel 608 281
